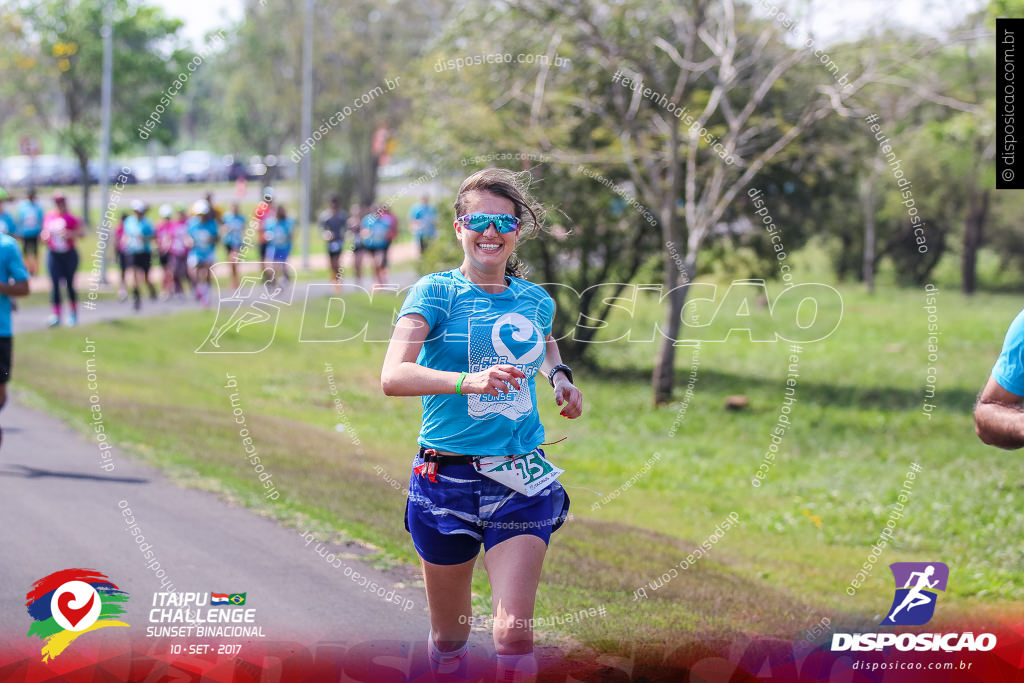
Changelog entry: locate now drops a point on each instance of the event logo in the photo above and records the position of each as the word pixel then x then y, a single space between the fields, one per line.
pixel 256 303
pixel 915 598
pixel 68 603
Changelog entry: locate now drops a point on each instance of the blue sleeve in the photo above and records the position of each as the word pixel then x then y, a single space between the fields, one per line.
pixel 1009 368
pixel 15 265
pixel 429 298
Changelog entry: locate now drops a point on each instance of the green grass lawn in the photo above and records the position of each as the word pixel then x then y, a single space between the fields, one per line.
pixel 856 427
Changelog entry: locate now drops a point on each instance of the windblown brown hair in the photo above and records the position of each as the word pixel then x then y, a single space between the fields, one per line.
pixel 514 187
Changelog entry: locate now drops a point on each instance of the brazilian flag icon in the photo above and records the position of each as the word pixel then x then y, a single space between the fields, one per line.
pixel 237 598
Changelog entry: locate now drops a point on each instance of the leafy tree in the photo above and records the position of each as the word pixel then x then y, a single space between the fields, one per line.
pixel 61 76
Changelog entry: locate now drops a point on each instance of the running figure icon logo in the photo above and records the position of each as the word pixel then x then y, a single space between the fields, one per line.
pixel 916 583
pixel 247 319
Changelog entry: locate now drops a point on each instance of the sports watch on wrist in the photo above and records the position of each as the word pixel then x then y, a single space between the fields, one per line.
pixel 561 367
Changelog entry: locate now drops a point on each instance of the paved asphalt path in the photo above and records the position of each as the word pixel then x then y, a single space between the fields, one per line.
pixel 60 510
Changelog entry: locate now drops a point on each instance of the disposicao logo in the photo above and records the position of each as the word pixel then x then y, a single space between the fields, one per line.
pixel 68 603
pixel 916 583
pixel 912 605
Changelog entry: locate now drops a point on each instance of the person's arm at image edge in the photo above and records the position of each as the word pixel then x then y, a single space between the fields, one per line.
pixel 16 288
pixel 999 417
pixel 18 285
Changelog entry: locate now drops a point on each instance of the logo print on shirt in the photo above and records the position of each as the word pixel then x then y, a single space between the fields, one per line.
pixel 487 348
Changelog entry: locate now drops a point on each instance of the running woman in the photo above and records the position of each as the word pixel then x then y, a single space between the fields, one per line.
pixel 234 230
pixel 60 230
pixel 334 223
pixel 30 224
pixel 423 218
pixel 178 252
pixel 278 235
pixel 264 210
pixel 138 234
pixel 202 229
pixel 470 341
pixel 164 235
pixel 375 241
pixel 13 282
pixel 355 225
pixel 122 260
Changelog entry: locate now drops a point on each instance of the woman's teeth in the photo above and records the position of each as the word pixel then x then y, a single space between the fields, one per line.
pixel 488 246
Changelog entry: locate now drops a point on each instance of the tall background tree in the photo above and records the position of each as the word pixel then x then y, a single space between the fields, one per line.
pixel 60 74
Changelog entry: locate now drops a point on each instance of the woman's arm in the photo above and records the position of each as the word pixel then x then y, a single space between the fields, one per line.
pixel 565 391
pixel 403 376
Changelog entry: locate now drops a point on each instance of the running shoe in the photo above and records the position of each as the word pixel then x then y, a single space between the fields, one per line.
pixel 53 321
pixel 73 319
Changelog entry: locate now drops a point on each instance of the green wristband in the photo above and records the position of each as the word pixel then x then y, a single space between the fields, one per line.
pixel 458 384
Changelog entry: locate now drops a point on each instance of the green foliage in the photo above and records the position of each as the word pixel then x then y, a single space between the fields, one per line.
pixel 61 71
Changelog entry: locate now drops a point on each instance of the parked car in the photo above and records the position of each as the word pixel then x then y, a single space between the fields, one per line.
pixel 255 169
pixel 68 171
pixel 198 166
pixel 168 169
pixel 115 169
pixel 144 169
pixel 14 171
pixel 233 168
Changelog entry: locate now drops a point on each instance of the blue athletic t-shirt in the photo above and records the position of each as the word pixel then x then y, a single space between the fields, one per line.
pixel 138 233
pixel 30 219
pixel 1009 368
pixel 12 269
pixel 204 237
pixel 471 330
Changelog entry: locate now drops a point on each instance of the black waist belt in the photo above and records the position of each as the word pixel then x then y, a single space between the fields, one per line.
pixel 430 455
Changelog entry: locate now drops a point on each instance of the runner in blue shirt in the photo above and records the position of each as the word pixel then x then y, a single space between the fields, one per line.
pixel 471 342
pixel 135 242
pixel 234 233
pixel 278 234
pixel 423 218
pixel 30 224
pixel 202 230
pixel 334 224
pixel 13 282
pixel 375 239
pixel 999 413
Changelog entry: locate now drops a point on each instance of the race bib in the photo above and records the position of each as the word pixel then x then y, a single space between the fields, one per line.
pixel 526 474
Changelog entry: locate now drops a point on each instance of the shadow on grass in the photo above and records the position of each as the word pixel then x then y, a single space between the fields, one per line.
pixel 35 473
pixel 821 393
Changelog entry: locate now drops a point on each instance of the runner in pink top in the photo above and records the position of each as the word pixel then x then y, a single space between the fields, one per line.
pixel 177 251
pixel 164 235
pixel 60 229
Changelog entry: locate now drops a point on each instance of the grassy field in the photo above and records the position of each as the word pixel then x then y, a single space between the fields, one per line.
pixel 855 429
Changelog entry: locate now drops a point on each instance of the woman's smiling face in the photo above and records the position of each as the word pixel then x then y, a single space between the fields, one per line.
pixel 487 251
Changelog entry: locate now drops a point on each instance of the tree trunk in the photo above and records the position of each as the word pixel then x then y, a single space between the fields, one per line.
pixel 83 164
pixel 977 212
pixel 868 207
pixel 663 377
